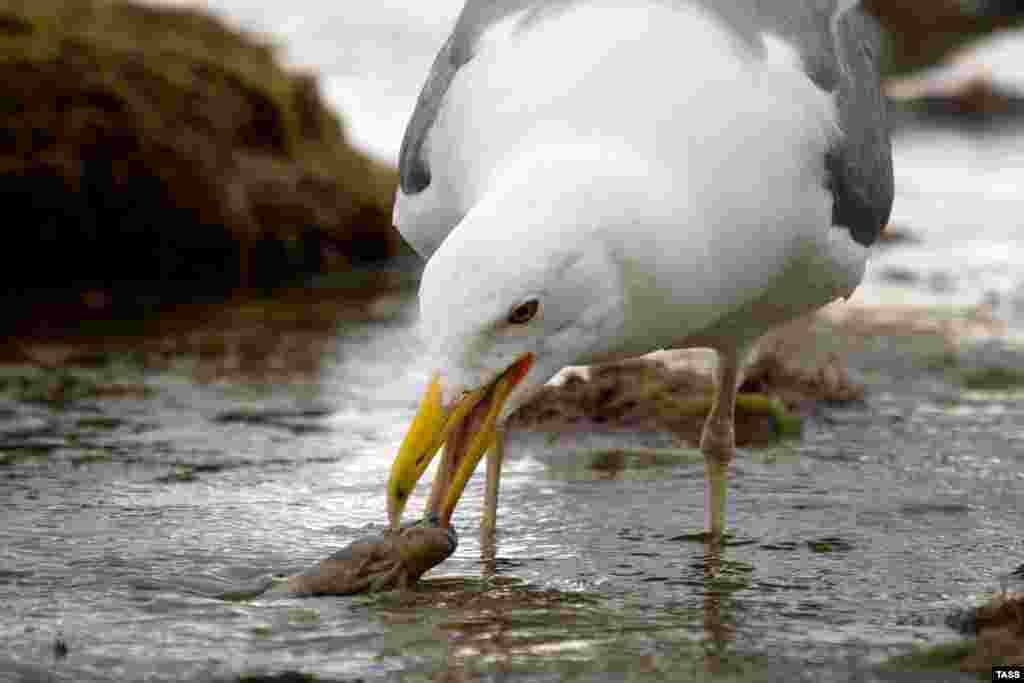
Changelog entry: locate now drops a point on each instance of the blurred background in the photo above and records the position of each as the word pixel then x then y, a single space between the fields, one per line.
pixel 208 358
pixel 175 150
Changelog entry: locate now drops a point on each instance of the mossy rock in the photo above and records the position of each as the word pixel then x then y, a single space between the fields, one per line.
pixel 155 148
pixel 648 394
pixel 920 33
pixel 998 629
pixel 993 379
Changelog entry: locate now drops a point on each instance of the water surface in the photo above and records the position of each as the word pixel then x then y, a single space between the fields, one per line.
pixel 132 493
pixel 136 484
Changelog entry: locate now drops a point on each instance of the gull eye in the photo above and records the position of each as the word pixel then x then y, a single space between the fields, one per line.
pixel 524 312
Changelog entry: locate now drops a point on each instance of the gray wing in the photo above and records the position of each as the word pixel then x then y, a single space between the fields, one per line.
pixel 840 46
pixel 474 20
pixel 860 167
pixel 413 173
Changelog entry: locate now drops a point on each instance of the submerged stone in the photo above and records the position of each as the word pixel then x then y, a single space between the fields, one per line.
pixel 829 544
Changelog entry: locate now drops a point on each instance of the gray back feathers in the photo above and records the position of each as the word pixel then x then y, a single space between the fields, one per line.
pixel 838 43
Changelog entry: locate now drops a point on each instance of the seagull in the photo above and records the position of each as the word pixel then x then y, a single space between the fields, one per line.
pixel 594 180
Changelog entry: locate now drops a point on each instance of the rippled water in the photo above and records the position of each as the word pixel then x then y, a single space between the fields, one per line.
pixel 123 509
pixel 122 514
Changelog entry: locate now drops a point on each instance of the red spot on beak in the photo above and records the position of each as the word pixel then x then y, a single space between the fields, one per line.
pixel 517 371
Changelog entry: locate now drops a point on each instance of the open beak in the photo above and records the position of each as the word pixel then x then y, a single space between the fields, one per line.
pixel 468 426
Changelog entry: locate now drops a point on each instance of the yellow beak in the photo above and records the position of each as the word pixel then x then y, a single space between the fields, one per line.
pixel 470 428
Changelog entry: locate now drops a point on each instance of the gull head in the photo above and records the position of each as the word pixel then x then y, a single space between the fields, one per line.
pixel 522 287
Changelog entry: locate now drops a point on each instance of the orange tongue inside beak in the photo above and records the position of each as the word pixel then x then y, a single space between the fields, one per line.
pixel 474 437
pixel 469 428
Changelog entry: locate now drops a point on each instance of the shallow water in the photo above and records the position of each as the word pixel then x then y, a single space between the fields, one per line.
pixel 131 492
pixel 126 509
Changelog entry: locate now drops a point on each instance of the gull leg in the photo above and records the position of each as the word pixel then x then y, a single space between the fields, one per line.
pixel 718 442
pixel 489 521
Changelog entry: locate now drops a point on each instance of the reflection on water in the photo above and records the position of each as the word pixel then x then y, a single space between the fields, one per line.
pixel 124 510
pixel 188 459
